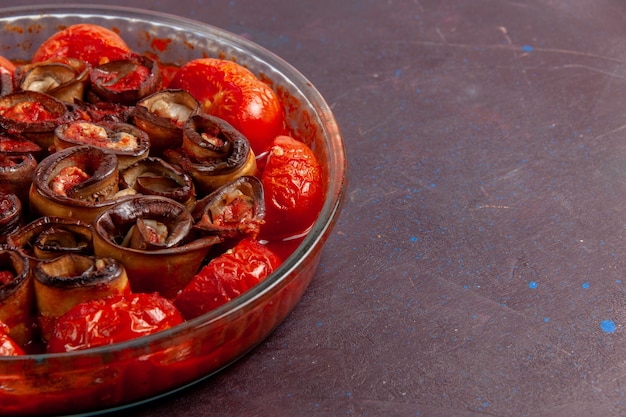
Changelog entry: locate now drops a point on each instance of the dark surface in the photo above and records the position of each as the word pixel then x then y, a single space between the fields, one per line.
pixel 478 266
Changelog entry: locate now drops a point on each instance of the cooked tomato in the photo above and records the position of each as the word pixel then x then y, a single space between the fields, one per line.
pixel 233 93
pixel 112 319
pixel 6 65
pixel 8 346
pixel 91 43
pixel 292 181
pixel 226 277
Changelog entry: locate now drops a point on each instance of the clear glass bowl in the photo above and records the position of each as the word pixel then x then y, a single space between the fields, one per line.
pixel 127 373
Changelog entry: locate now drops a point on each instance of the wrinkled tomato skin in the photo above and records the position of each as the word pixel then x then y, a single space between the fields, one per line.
pixel 293 191
pixel 91 43
pixel 112 319
pixel 231 92
pixel 226 277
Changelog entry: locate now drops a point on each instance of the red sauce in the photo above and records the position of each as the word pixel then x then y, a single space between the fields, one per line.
pixel 6 277
pixel 160 44
pixel 68 178
pixel 28 112
pixel 240 208
pixel 8 162
pixel 16 145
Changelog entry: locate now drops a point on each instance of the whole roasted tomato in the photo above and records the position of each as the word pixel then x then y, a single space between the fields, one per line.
pixel 233 93
pixel 226 277
pixel 91 43
pixel 112 319
pixel 8 346
pixel 292 182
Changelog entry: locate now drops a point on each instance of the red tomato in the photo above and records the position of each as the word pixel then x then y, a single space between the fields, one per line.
pixel 6 65
pixel 231 92
pixel 226 277
pixel 112 319
pixel 8 347
pixel 292 183
pixel 88 42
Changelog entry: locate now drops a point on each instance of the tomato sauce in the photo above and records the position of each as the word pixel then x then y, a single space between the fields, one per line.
pixel 68 178
pixel 10 145
pixel 28 112
pixel 6 277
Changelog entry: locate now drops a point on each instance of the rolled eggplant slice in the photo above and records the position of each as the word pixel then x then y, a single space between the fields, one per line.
pixel 129 143
pixel 125 81
pixel 78 182
pixel 17 300
pixel 33 114
pixel 162 115
pixel 213 153
pixel 64 80
pixel 50 237
pixel 233 211
pixel 151 237
pixel 11 216
pixel 16 175
pixel 154 176
pixel 71 279
pixel 102 111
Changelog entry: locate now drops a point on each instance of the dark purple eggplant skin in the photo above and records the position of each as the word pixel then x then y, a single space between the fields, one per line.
pixel 102 89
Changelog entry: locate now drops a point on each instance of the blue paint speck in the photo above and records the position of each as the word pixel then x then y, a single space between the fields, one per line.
pixel 532 284
pixel 546 319
pixel 585 285
pixel 608 326
pixel 527 48
pixel 413 238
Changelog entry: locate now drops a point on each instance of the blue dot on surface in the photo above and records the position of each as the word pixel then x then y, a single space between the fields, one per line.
pixel 413 239
pixel 532 284
pixel 585 285
pixel 608 326
pixel 546 319
pixel 527 48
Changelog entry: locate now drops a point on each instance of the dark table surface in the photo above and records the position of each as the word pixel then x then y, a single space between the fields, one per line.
pixel 478 265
